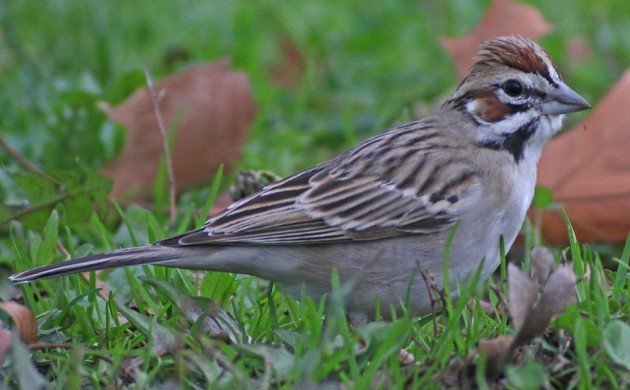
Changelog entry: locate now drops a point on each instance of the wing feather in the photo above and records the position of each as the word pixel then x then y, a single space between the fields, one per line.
pixel 397 183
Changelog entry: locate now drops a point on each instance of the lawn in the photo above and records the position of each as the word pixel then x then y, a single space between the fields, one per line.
pixel 364 66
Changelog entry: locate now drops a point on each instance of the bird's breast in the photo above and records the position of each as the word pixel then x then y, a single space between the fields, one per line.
pixel 522 182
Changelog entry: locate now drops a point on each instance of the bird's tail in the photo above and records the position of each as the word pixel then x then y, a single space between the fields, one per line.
pixel 131 256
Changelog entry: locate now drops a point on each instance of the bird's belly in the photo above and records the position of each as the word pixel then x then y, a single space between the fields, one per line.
pixel 389 271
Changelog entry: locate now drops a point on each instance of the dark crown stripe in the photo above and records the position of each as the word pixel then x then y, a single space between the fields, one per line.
pixel 518 53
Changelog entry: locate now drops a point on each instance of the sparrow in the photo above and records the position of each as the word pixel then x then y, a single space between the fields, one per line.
pixel 388 206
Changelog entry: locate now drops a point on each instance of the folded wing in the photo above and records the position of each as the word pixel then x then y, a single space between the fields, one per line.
pixel 395 184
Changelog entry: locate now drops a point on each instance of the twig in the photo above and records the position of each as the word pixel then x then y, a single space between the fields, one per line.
pixel 26 163
pixel 502 299
pixel 441 294
pixel 47 204
pixel 424 273
pixel 38 346
pixel 167 153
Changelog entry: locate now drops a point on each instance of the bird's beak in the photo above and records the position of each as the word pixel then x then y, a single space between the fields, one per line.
pixel 563 100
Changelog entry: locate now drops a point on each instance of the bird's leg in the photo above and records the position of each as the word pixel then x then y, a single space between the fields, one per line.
pixel 358 319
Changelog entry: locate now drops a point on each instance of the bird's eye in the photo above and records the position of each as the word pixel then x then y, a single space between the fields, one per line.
pixel 513 88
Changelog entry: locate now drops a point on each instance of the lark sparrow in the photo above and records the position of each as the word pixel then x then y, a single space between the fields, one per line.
pixel 379 210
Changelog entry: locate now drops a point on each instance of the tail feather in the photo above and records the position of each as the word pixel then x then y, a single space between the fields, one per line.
pixel 120 258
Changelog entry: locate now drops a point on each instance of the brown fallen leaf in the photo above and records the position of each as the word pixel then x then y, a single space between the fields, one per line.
pixel 504 17
pixel 542 267
pixel 495 346
pixel 210 108
pixel 556 294
pixel 523 294
pixel 534 302
pixel 24 322
pixel 588 171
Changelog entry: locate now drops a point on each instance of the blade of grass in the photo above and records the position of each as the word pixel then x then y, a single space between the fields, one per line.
pixel 622 270
pixel 127 222
pixel 214 190
pixel 576 257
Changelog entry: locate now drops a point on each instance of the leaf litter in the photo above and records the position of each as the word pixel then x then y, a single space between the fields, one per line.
pixel 208 110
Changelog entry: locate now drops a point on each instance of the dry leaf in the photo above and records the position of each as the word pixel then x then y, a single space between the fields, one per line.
pixel 588 171
pixel 495 346
pixel 542 265
pixel 24 321
pixel 559 292
pixel 504 17
pixel 530 318
pixel 210 108
pixel 523 294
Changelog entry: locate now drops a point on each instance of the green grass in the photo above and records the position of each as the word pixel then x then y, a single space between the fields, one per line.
pixel 280 341
pixel 368 64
